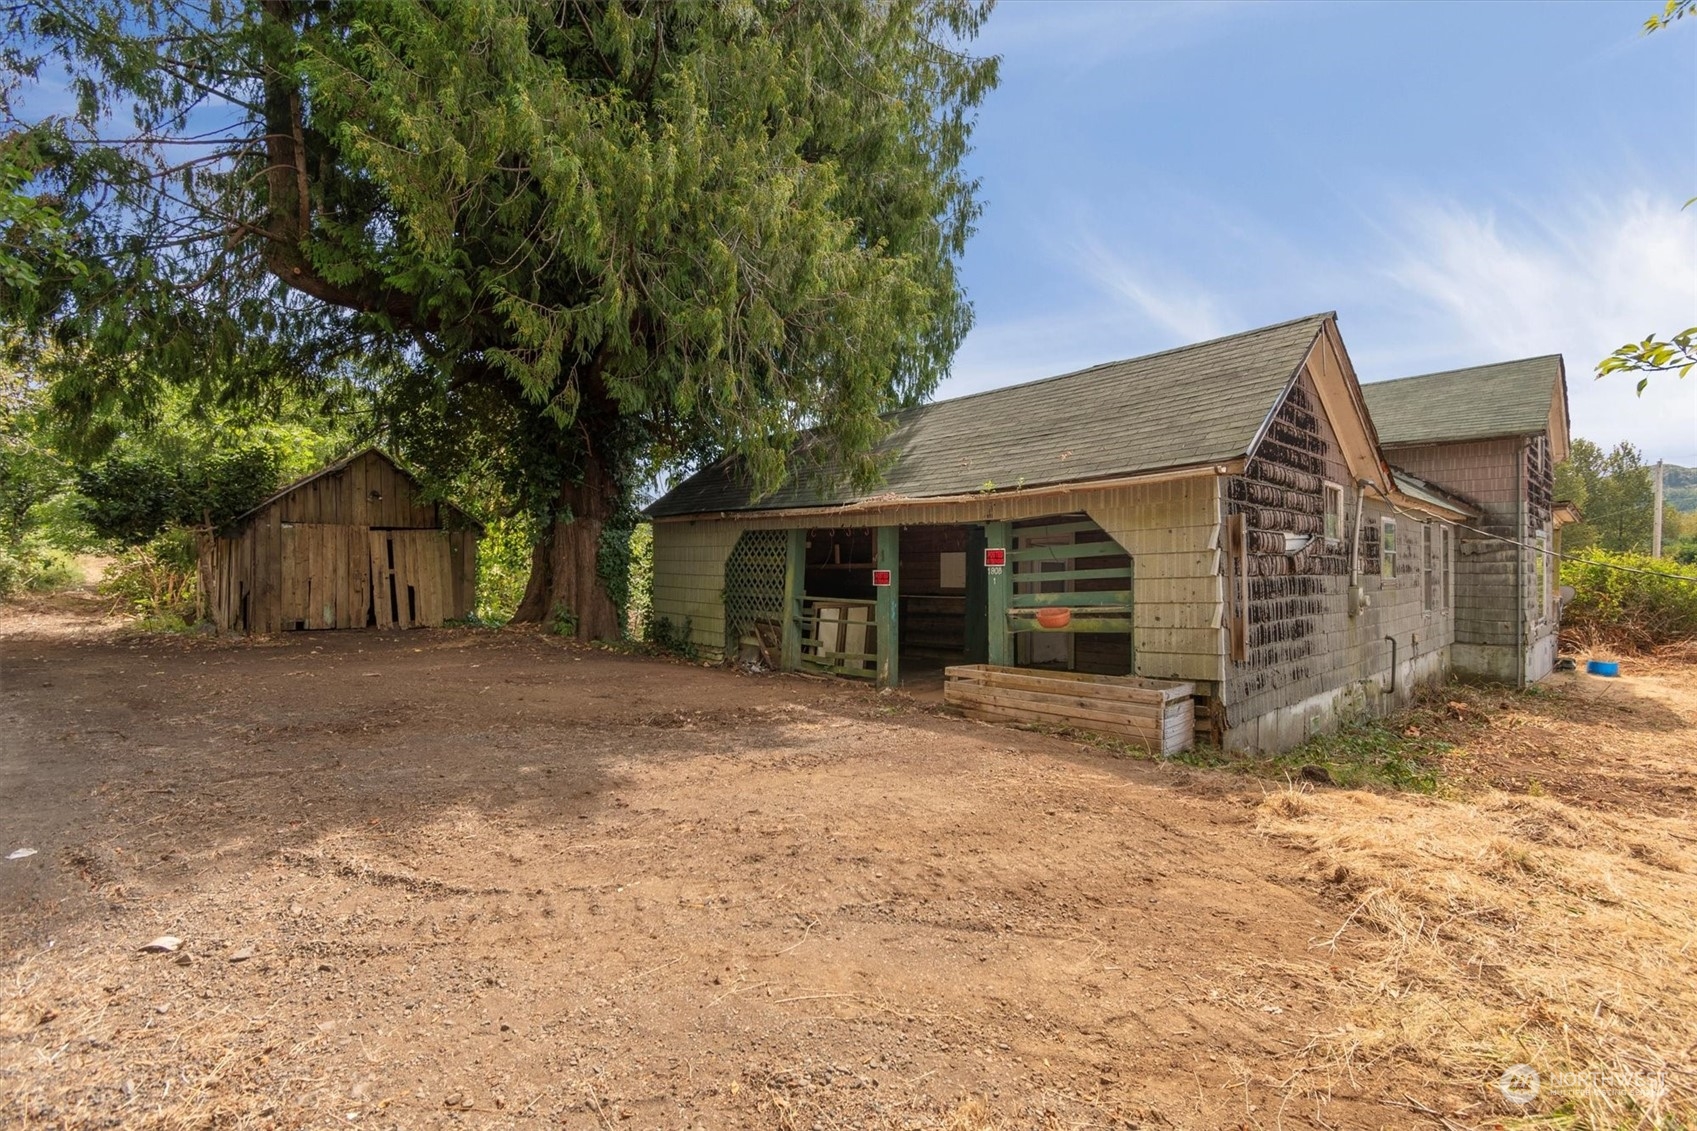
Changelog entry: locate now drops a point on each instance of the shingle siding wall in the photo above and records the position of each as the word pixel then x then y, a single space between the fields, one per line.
pixel 1497 583
pixel 1309 663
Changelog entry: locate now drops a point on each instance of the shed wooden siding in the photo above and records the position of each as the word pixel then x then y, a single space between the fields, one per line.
pixel 312 556
pixel 1169 529
pixel 1302 644
pixel 370 491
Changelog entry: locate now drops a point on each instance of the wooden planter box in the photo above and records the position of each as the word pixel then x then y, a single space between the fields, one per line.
pixel 1157 712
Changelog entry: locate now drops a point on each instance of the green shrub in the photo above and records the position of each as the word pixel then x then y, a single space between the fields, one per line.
pixel 157 580
pixel 640 588
pixel 666 636
pixel 1633 610
pixel 503 568
pixel 36 567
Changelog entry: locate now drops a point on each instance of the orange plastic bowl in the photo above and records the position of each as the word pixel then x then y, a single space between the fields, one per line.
pixel 1054 618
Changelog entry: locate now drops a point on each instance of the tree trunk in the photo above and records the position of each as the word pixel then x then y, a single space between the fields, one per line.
pixel 563 577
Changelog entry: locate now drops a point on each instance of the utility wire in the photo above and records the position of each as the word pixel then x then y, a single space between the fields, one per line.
pixel 1587 561
pixel 1689 580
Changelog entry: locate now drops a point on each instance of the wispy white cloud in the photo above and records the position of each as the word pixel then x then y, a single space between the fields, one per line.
pixel 1578 276
pixel 1092 34
pixel 1162 295
pixel 1421 283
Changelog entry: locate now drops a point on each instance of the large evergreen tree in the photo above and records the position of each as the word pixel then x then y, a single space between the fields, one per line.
pixel 558 238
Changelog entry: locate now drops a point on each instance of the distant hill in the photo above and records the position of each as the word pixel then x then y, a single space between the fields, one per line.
pixel 1679 487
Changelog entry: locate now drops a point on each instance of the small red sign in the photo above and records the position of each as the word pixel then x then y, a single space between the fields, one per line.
pixel 995 557
pixel 880 577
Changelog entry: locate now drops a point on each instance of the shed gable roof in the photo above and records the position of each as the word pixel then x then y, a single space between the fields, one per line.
pixel 1509 398
pixel 1198 404
pixel 335 467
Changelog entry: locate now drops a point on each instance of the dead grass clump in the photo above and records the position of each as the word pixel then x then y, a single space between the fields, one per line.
pixel 1506 931
pixel 1290 803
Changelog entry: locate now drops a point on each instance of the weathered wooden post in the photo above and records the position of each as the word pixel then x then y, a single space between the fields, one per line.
pixel 998 589
pixel 795 589
pixel 887 581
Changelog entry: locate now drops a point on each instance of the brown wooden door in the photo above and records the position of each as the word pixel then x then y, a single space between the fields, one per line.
pixel 412 573
pixel 326 576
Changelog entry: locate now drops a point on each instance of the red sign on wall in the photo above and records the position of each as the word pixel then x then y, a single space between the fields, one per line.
pixel 995 557
pixel 880 577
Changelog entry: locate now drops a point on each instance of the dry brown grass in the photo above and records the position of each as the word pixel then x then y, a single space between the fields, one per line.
pixel 1508 930
pixel 186 1061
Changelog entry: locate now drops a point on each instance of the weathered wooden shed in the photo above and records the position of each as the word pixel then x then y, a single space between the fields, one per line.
pixel 351 546
pixel 1219 516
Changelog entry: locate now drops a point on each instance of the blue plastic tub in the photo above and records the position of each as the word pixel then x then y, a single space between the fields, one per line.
pixel 1602 667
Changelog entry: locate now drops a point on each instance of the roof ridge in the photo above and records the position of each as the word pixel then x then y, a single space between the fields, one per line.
pixel 1122 361
pixel 1463 369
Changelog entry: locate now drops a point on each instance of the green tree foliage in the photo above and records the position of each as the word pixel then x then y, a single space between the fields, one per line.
pixel 556 240
pixel 1615 494
pixel 1677 356
pixel 1671 11
pixel 37 526
pixel 134 494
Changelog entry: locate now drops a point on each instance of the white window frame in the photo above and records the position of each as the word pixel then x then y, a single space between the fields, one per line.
pixel 1446 543
pixel 1428 574
pixel 1387 549
pixel 1331 495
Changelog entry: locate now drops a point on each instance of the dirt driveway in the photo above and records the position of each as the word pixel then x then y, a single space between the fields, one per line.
pixel 476 879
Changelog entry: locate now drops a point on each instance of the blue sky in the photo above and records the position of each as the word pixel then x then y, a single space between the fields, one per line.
pixel 1462 183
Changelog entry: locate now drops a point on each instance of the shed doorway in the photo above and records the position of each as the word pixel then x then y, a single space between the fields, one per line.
pixel 839 608
pixel 942 599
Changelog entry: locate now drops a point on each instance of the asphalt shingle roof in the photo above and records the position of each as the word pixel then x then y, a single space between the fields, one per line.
pixel 1198 404
pixel 1511 398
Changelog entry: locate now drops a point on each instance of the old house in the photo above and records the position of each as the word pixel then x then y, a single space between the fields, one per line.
pixel 1219 514
pixel 354 545
pixel 1493 435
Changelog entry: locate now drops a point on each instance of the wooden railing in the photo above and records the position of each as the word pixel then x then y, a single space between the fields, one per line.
pixel 1092 610
pixel 839 635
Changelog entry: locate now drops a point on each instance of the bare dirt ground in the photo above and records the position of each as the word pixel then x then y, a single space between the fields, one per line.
pixel 463 878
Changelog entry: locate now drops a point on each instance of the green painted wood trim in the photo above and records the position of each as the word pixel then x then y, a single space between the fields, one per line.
pixel 1107 599
pixel 1078 527
pixel 889 604
pixel 977 622
pixel 1131 633
pixel 1117 573
pixel 795 584
pixel 833 669
pixel 1117 623
pixel 1066 553
pixel 998 588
